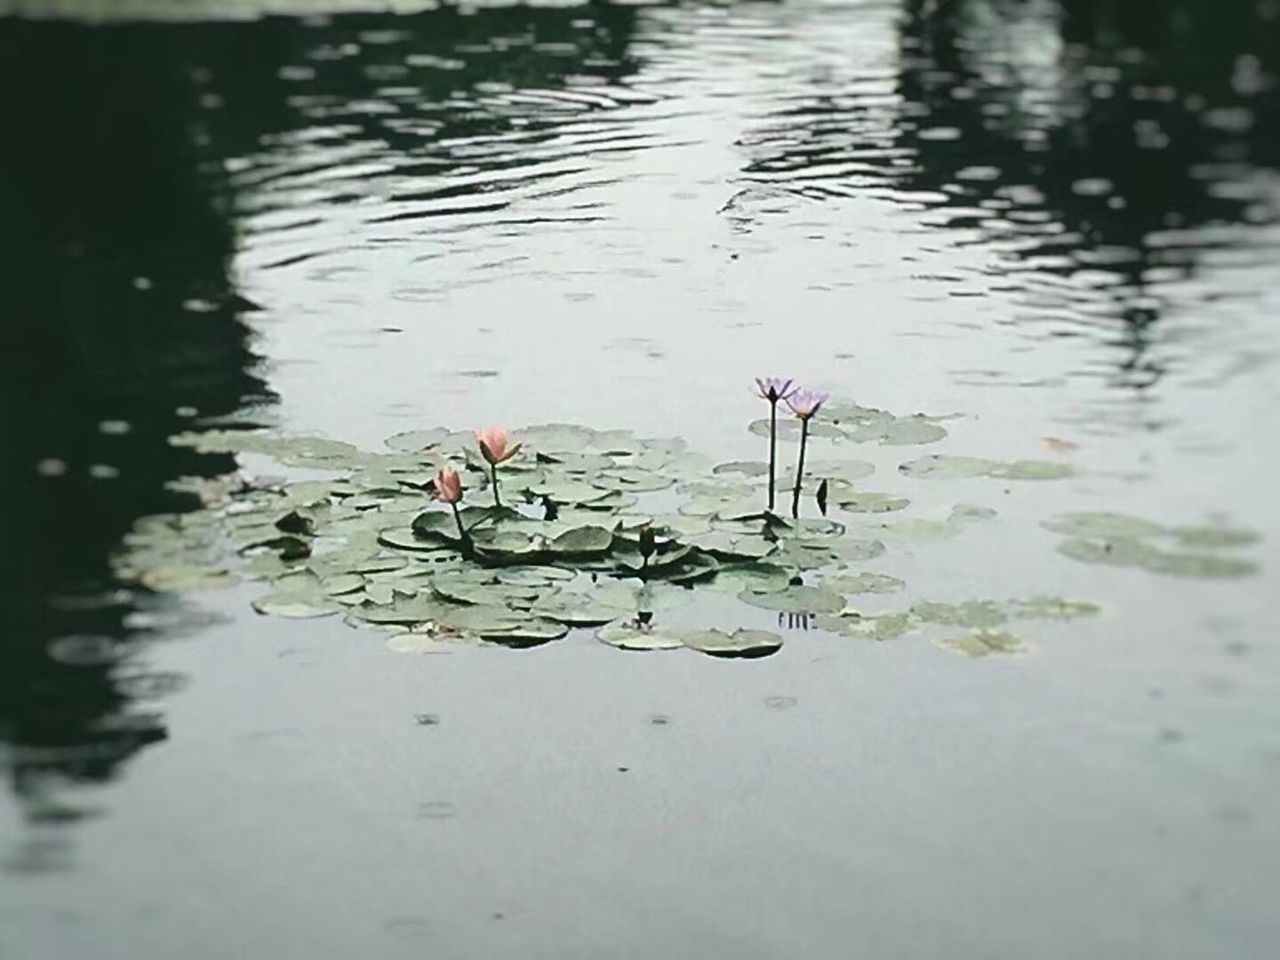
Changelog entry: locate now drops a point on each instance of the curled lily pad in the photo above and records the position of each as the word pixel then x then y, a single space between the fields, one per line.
pixel 739 643
pixel 983 643
pixel 633 636
pixel 795 599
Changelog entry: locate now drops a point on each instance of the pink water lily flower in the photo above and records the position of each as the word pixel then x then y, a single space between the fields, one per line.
pixel 448 486
pixel 493 445
pixel 774 389
pixel 805 403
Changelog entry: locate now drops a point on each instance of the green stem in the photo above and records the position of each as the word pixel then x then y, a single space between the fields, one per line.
pixel 795 494
pixel 463 534
pixel 773 447
pixel 493 473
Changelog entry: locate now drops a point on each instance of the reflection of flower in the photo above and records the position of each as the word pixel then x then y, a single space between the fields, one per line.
pixel 448 486
pixel 773 389
pixel 805 403
pixel 493 445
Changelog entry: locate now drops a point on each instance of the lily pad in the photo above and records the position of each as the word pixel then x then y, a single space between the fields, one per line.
pixel 294 605
pixel 1215 538
pixel 868 502
pixel 983 643
pixel 971 613
pixel 852 584
pixel 739 643
pixel 795 599
pixel 631 636
pixel 936 466
pixel 1103 525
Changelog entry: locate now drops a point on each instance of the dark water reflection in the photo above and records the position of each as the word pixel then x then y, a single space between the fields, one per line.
pixel 1084 141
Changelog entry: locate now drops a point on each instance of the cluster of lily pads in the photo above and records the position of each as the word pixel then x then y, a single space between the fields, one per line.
pixel 520 538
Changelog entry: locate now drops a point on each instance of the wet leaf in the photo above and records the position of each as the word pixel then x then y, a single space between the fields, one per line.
pixel 795 599
pixel 631 636
pixel 739 643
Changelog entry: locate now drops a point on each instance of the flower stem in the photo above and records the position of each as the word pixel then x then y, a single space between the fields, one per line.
pixel 463 534
pixel 493 473
pixel 773 448
pixel 795 494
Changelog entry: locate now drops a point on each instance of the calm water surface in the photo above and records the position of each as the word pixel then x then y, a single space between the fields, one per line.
pixel 1054 219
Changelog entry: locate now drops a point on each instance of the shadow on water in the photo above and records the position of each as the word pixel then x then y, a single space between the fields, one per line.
pixel 122 324
pixel 119 225
pixel 1101 151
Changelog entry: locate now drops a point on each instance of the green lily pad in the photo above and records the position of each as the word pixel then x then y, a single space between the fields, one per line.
pixel 406 539
pixel 1051 608
pixel 795 599
pixel 1103 526
pixel 739 643
pixel 852 584
pixel 971 613
pixel 868 502
pixel 756 577
pixel 294 605
pixel 983 643
pixel 587 609
pixel 746 468
pixel 1215 538
pixel 412 441
pixel 883 626
pixel 936 466
pixel 1033 470
pixel 582 541
pixel 630 636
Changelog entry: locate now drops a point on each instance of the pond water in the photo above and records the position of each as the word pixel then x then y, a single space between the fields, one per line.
pixel 1056 224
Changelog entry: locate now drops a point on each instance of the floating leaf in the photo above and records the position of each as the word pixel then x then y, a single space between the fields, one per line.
pixel 582 541
pixel 1103 525
pixel 868 502
pixel 851 584
pixel 412 441
pixel 747 468
pixel 294 605
pixel 795 599
pixel 971 613
pixel 983 643
pixel 936 466
pixel 632 636
pixel 740 643
pixel 1214 538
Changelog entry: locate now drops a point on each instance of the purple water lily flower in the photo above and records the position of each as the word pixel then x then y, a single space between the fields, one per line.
pixel 774 389
pixel 805 403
